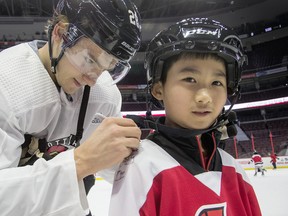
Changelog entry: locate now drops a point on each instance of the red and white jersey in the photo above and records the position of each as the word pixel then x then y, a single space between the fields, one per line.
pixel 30 103
pixel 257 159
pixel 158 182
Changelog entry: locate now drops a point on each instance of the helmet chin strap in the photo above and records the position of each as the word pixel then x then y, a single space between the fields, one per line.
pixel 54 61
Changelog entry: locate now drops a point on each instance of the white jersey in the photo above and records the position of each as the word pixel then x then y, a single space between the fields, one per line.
pixel 30 103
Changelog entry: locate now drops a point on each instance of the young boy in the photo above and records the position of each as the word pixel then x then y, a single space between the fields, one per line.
pixel 178 170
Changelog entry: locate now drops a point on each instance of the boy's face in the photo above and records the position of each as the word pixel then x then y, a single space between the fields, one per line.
pixel 194 93
pixel 82 64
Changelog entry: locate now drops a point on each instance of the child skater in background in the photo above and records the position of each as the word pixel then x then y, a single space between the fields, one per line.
pixel 274 159
pixel 192 67
pixel 258 163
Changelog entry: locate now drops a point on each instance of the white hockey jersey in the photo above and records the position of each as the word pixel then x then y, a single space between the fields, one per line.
pixel 30 103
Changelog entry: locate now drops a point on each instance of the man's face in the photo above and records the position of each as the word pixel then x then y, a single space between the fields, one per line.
pixel 82 64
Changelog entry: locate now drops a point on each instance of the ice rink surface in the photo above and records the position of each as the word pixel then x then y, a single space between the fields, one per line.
pixel 271 190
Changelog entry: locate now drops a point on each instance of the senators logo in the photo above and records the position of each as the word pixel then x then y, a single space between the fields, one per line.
pixel 212 210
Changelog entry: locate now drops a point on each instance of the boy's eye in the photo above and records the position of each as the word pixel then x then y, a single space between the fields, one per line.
pixel 217 83
pixel 189 79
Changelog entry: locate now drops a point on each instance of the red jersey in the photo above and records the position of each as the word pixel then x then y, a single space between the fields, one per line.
pixel 168 179
pixel 273 158
pixel 257 159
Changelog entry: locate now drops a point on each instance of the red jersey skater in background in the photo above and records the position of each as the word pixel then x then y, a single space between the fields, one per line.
pixel 274 159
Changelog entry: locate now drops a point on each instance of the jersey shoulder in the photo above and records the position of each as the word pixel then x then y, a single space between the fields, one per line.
pixel 24 81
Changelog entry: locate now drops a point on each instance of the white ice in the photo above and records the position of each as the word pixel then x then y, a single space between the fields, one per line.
pixel 271 190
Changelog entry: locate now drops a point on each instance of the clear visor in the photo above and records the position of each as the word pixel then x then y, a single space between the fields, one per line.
pixel 90 59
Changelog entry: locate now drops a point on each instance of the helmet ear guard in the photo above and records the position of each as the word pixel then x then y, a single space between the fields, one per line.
pixel 232 81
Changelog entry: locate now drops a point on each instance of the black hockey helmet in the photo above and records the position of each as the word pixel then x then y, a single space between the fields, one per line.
pixel 114 25
pixel 198 35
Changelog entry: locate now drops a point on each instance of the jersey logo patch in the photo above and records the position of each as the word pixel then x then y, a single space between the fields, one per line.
pixel 98 118
pixel 212 210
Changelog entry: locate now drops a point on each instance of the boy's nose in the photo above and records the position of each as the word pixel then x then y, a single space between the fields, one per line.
pixel 202 96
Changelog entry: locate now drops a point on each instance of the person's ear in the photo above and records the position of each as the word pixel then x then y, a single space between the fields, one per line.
pixel 157 91
pixel 59 29
pixel 57 37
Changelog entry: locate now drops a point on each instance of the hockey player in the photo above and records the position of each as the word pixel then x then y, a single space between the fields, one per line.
pixel 45 110
pixel 273 160
pixel 258 163
pixel 192 67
